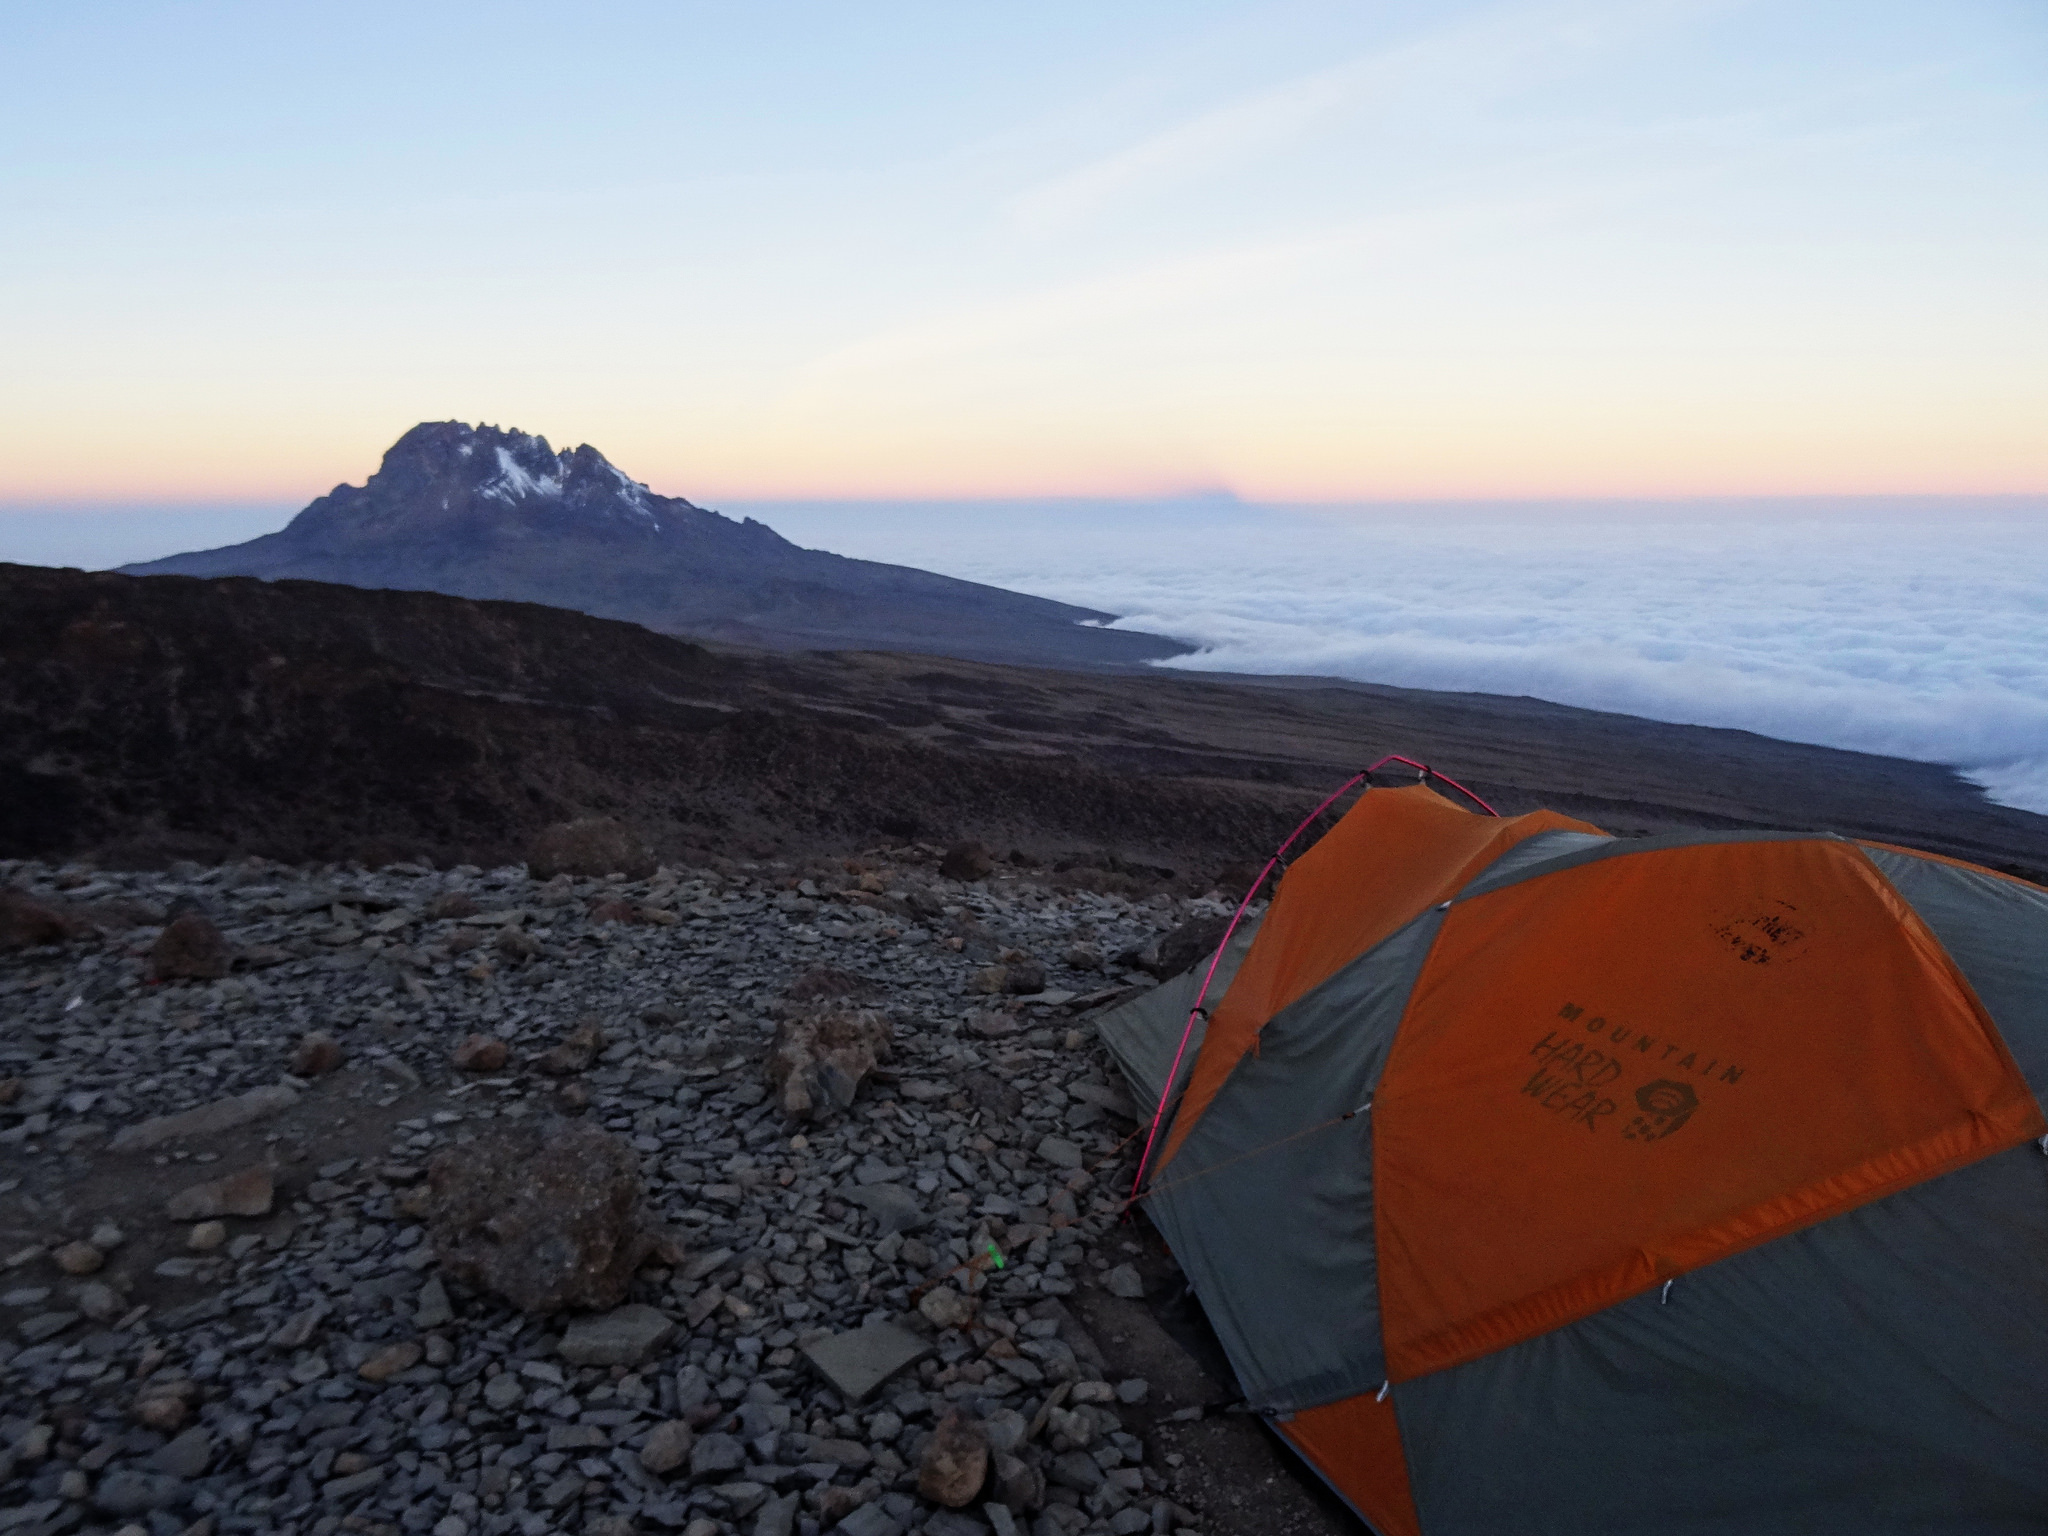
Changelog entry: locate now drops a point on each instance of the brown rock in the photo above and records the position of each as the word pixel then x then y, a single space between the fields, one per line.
pixel 955 1462
pixel 572 1097
pixel 515 943
pixel 316 1056
pixel 945 1307
pixel 546 1221
pixel 577 1050
pixel 668 1447
pixel 79 1258
pixel 390 1361
pixel 247 1193
pixel 820 1056
pixel 161 1410
pixel 450 904
pixel 207 1236
pixel 831 981
pixel 592 848
pixel 966 861
pixel 614 910
pixel 10 1089
pixel 26 922
pixel 190 948
pixel 480 1053
pixel 1023 978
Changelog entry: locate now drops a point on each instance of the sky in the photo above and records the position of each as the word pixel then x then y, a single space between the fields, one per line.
pixel 1682 357
pixel 1297 252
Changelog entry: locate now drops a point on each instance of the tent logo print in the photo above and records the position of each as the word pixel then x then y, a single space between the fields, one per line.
pixel 1764 932
pixel 1665 1106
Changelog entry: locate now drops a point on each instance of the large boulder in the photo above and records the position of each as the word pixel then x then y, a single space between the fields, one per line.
pixel 547 1220
pixel 591 848
pixel 191 948
pixel 26 922
pixel 967 861
pixel 821 1055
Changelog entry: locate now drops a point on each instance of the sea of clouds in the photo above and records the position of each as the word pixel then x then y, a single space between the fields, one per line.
pixel 1913 629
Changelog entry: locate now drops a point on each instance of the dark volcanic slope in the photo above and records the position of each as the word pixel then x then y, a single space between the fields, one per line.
pixel 163 715
pixel 479 512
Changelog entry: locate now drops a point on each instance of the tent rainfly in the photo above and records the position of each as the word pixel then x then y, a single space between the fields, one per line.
pixel 1540 1181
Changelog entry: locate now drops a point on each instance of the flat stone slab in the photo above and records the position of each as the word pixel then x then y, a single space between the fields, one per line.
pixel 620 1337
pixel 221 1115
pixel 892 1205
pixel 858 1362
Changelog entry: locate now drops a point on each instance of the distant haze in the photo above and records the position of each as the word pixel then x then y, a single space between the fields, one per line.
pixel 1305 249
pixel 1911 628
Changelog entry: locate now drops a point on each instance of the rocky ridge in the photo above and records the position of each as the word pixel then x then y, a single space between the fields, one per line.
pixel 289 1353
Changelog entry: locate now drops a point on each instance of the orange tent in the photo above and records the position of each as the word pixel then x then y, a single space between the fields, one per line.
pixel 1538 1180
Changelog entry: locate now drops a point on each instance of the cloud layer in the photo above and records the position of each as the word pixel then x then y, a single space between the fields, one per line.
pixel 1917 632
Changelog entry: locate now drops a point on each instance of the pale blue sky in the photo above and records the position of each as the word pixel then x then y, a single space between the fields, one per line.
pixel 1302 250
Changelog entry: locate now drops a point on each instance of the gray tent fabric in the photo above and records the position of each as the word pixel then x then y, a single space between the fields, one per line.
pixel 1876 1375
pixel 1268 1204
pixel 1544 848
pixel 1996 931
pixel 1558 854
pixel 1144 1033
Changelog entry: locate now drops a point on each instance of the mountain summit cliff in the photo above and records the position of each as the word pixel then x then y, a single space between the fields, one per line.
pixel 490 513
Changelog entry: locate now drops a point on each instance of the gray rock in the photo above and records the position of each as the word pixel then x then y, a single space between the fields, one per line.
pixel 297 1330
pixel 668 1447
pixel 46 1325
pixel 868 1520
pixel 778 1516
pixel 714 1454
pixel 1076 1470
pixel 1134 1390
pixel 127 1493
pixel 1123 1281
pixel 1060 1152
pixel 1006 1428
pixel 434 1309
pixel 624 1336
pixel 186 1456
pixel 859 1361
pixel 504 1391
pixel 894 1208
pixel 355 1483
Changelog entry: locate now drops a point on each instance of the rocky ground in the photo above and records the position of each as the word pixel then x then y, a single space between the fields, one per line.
pixel 241 1107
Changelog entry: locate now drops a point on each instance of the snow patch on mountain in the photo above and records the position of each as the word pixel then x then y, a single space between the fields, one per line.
pixel 515 480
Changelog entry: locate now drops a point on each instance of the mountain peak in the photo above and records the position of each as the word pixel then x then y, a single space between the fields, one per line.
pixel 494 512
pixel 511 467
